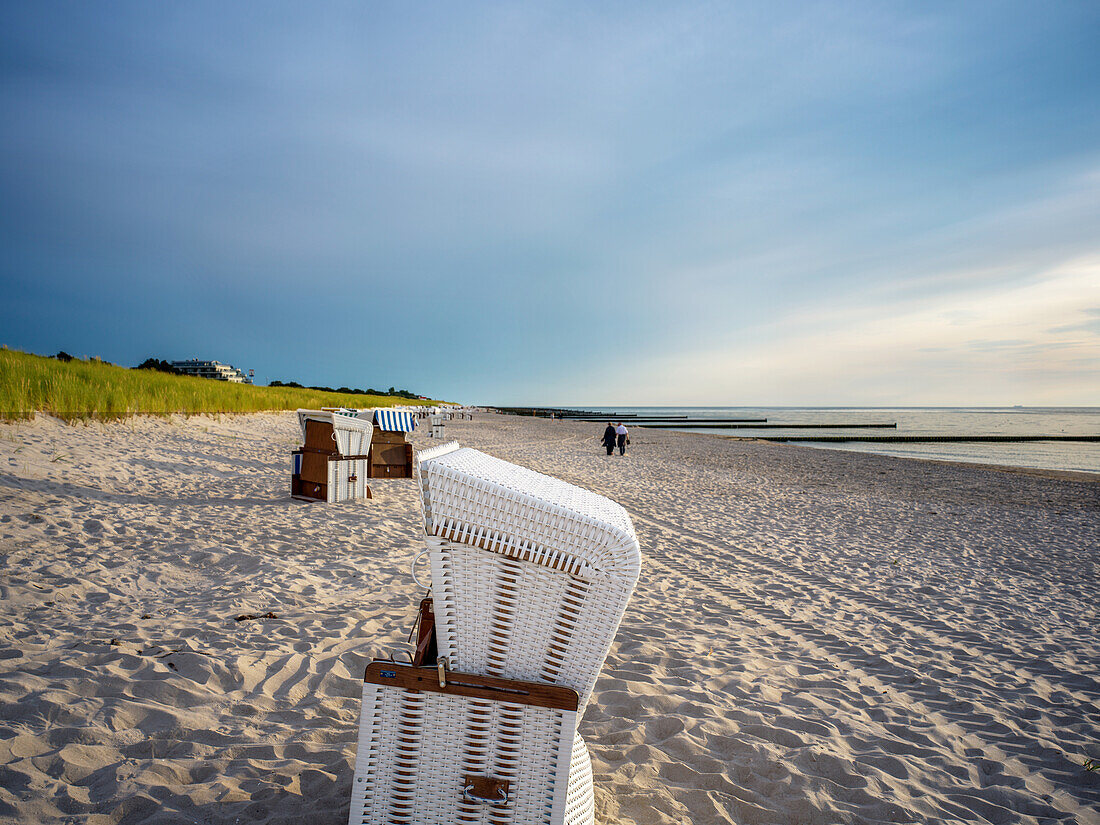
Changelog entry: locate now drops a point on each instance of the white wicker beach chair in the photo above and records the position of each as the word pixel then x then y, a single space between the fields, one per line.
pixel 478 750
pixel 437 421
pixel 530 575
pixel 334 468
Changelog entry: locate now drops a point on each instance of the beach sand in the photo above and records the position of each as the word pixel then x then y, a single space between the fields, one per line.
pixel 817 637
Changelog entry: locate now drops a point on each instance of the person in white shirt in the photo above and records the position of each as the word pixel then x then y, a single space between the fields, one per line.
pixel 621 438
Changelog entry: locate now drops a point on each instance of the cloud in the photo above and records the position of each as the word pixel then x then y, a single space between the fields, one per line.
pixel 1091 326
pixel 990 345
pixel 772 202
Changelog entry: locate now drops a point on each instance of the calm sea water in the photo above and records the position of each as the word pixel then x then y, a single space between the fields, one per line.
pixel 1048 455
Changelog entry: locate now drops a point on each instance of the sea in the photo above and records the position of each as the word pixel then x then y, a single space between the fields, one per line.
pixel 1082 457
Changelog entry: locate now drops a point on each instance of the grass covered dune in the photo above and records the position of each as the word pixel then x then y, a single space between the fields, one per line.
pixel 79 390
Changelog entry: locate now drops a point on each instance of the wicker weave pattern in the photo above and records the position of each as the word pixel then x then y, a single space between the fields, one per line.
pixel 415 748
pixel 420 459
pixel 352 435
pixel 520 620
pixel 580 803
pixel 437 451
pixel 340 485
pixel 467 493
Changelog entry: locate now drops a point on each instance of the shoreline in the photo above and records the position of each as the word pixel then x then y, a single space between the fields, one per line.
pixel 818 635
pixel 1037 472
pixel 1065 440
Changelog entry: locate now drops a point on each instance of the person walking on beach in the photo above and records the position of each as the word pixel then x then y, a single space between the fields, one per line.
pixel 609 438
pixel 621 437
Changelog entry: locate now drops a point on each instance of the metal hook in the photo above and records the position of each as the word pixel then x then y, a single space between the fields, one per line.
pixel 415 579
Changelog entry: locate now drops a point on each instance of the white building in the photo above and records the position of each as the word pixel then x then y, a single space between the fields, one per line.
pixel 212 369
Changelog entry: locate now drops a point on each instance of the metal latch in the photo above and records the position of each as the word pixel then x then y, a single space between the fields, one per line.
pixel 487 789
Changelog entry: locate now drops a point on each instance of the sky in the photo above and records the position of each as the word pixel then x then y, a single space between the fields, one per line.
pixel 673 203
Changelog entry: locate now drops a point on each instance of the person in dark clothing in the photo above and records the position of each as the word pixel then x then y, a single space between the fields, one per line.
pixel 609 438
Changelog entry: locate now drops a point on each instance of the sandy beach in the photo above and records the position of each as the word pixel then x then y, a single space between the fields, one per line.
pixel 817 637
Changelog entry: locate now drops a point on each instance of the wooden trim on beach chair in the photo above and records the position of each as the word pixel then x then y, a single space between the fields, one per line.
pixel 511 691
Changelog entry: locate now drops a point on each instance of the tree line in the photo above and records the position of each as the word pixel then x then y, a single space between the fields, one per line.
pixel 348 390
pixel 163 366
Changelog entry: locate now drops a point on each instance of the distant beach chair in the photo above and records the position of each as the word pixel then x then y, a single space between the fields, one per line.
pixel 332 463
pixel 437 422
pixel 389 451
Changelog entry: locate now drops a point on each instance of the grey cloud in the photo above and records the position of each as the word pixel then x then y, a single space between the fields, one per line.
pixel 1092 327
pixel 985 345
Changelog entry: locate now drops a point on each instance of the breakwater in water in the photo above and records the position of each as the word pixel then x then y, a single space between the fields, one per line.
pixel 932 439
pixel 709 424
pixel 1055 438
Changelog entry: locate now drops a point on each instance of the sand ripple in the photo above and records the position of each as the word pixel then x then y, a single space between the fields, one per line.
pixel 817 637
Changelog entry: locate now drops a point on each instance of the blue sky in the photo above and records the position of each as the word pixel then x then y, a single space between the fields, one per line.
pixel 667 203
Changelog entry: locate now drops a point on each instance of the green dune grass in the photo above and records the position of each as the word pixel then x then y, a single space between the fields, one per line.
pixel 78 390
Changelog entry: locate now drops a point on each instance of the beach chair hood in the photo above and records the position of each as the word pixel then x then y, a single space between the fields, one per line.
pixel 351 435
pixel 394 421
pixel 472 497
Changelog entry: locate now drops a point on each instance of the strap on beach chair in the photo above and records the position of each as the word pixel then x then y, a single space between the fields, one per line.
pixel 425 650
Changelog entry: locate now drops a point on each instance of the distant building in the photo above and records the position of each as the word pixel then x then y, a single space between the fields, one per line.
pixel 212 369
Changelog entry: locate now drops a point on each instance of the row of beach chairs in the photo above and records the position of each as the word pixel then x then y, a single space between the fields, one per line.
pixel 342 449
pixel 530 577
